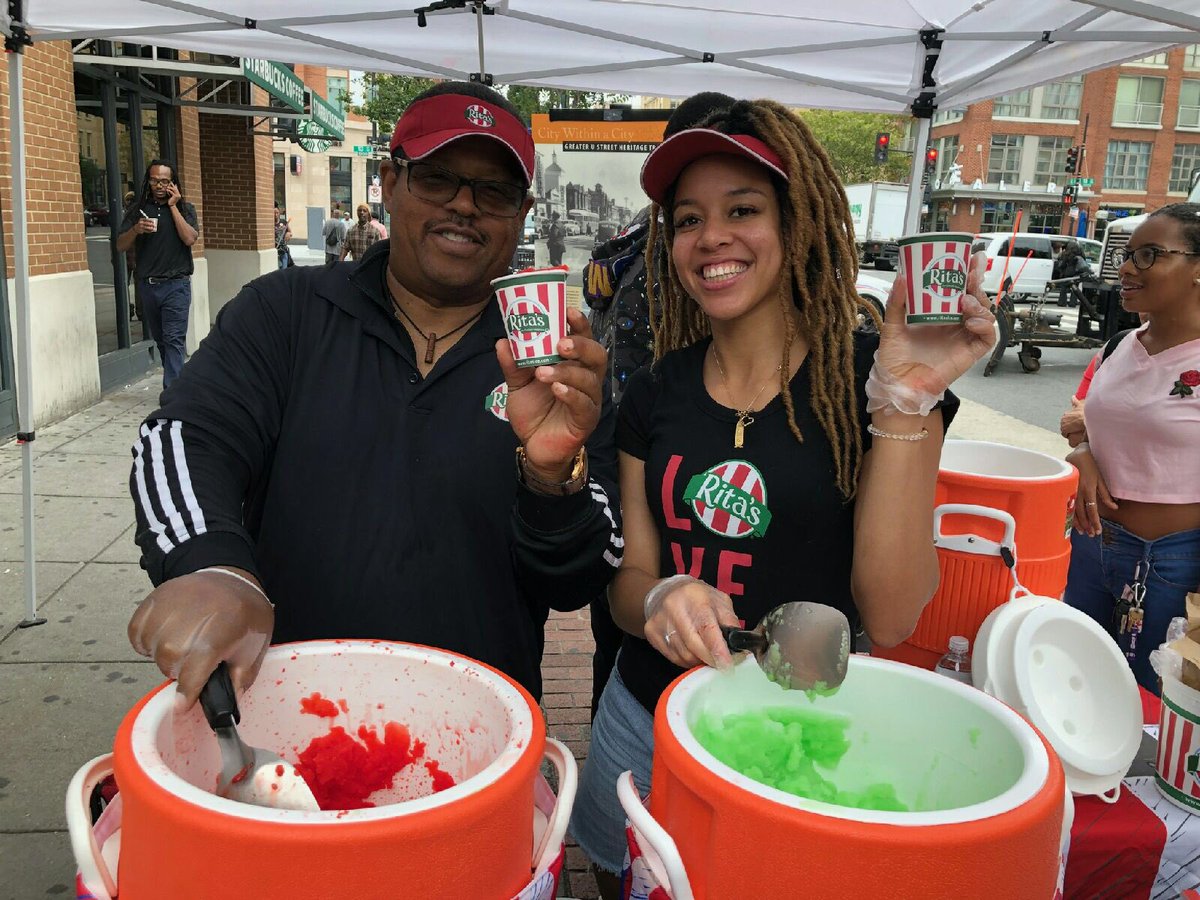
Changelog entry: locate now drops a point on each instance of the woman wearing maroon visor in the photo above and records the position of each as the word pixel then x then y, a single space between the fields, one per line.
pixel 770 453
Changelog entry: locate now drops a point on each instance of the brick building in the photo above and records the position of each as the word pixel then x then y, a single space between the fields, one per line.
pixel 96 113
pixel 1142 122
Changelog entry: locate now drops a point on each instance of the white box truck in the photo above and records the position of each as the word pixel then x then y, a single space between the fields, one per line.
pixel 877 210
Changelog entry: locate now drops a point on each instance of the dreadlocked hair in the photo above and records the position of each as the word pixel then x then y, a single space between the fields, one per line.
pixel 816 278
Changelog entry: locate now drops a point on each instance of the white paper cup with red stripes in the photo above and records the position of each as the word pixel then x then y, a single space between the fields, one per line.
pixel 533 304
pixel 1178 766
pixel 934 267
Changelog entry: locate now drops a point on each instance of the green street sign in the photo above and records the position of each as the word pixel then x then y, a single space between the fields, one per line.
pixel 327 117
pixel 362 150
pixel 1088 182
pixel 277 80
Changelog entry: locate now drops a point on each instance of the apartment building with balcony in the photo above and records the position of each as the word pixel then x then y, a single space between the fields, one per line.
pixel 1138 123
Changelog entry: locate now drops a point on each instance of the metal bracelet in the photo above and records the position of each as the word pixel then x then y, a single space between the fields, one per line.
pixel 877 432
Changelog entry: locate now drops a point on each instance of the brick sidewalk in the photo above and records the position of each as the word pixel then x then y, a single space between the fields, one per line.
pixel 567 699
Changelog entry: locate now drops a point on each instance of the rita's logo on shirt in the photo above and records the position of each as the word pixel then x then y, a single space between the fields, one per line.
pixel 945 276
pixel 730 499
pixel 497 402
pixel 479 116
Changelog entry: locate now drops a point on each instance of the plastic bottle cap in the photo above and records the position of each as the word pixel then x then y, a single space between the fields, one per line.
pixel 959 644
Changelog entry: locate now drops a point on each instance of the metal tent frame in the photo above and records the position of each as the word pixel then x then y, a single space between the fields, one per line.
pixel 869 55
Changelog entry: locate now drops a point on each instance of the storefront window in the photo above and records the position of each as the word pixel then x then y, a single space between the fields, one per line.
pixel 280 164
pixel 1043 218
pixel 340 181
pixel 998 215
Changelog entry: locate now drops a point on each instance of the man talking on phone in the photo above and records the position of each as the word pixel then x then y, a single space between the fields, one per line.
pixel 163 227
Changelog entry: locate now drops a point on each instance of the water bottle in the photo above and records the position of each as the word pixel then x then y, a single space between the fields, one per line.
pixel 956 663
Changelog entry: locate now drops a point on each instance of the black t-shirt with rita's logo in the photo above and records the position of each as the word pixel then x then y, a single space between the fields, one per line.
pixel 765 523
pixel 161 253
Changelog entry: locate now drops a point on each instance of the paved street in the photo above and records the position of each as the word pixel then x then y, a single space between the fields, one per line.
pixel 68 683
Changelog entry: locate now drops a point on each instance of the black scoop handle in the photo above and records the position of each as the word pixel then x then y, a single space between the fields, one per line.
pixel 218 700
pixel 738 639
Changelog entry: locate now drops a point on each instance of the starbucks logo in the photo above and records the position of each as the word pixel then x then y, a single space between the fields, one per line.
pixel 730 499
pixel 479 116
pixel 946 275
pixel 497 402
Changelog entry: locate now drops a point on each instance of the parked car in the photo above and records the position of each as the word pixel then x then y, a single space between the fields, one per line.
pixel 1031 263
pixel 95 214
pixel 874 289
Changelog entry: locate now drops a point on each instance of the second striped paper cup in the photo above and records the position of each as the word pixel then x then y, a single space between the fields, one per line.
pixel 934 267
pixel 533 304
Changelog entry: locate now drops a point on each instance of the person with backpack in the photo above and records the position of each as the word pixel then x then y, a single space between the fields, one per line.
pixel 334 232
pixel 1135 548
pixel 556 240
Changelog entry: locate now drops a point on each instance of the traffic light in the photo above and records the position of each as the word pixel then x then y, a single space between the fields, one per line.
pixel 1069 195
pixel 931 159
pixel 882 139
pixel 1073 161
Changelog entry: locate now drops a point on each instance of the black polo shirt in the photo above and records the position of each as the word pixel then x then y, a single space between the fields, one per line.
pixel 303 444
pixel 162 253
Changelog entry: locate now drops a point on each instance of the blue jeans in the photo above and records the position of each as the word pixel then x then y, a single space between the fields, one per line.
pixel 622 740
pixel 1102 566
pixel 165 308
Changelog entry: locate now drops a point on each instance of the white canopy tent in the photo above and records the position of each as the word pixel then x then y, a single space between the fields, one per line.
pixel 872 55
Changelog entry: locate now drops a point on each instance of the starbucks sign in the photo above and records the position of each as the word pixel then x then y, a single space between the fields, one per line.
pixel 316 144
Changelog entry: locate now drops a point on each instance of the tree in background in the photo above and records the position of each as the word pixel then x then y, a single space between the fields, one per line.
pixel 389 95
pixel 849 138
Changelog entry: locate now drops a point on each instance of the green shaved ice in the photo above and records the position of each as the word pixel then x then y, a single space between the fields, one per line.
pixel 782 747
pixel 820 689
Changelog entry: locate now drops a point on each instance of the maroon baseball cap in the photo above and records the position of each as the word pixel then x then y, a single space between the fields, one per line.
pixel 432 123
pixel 676 153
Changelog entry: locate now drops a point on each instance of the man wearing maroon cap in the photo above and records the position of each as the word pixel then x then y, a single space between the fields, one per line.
pixel 355 442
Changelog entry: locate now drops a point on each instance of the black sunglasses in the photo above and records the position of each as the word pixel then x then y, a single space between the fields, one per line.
pixel 434 184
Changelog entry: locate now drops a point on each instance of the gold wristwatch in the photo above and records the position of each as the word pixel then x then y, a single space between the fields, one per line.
pixel 554 488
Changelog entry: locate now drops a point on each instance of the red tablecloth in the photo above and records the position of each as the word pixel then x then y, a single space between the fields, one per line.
pixel 1126 849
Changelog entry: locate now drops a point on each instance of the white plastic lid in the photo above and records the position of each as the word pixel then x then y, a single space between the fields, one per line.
pixel 959 644
pixel 1077 689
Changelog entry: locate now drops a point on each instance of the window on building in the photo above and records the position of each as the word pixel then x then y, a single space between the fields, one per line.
pixel 1156 59
pixel 1004 158
pixel 280 167
pixel 338 88
pixel 1189 104
pixel 1060 99
pixel 340 180
pixel 947 148
pixel 1127 166
pixel 998 216
pixel 1191 56
pixel 1185 160
pixel 1052 158
pixel 1139 100
pixel 1016 105
pixel 945 116
pixel 1043 218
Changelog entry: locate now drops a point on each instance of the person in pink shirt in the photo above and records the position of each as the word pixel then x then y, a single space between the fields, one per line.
pixel 379 226
pixel 1136 545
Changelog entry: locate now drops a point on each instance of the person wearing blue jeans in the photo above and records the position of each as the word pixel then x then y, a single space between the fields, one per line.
pixel 1103 565
pixel 162 227
pixel 165 305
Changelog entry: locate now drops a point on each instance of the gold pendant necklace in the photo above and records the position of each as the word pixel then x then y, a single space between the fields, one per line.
pixel 744 419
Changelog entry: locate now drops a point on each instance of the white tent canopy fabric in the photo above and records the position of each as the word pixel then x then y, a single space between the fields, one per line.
pixel 851 54
pixel 872 55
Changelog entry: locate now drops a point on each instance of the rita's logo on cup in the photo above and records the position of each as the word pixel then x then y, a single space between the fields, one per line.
pixel 528 324
pixel 497 401
pixel 479 116
pixel 730 499
pixel 945 276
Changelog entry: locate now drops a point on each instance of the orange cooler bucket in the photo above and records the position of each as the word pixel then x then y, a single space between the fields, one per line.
pixel 994 504
pixel 987 795
pixel 476 839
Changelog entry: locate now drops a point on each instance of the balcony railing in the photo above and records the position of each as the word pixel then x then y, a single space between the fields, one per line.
pixel 1189 117
pixel 1127 113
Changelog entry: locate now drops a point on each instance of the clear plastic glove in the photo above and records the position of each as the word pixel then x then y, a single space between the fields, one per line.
pixel 189 624
pixel 1166 662
pixel 1176 628
pixel 683 622
pixel 930 357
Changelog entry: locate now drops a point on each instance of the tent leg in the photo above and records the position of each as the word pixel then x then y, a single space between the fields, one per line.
pixel 16 119
pixel 912 214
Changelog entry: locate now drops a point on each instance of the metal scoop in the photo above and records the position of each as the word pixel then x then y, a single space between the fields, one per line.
pixel 249 774
pixel 800 646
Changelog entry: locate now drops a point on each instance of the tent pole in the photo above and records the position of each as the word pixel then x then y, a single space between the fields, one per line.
pixel 479 31
pixel 25 433
pixel 912 213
